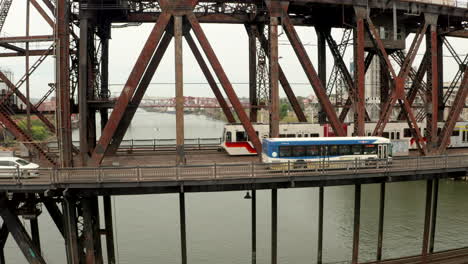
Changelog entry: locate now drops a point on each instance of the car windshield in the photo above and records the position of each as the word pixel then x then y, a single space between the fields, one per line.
pixel 22 162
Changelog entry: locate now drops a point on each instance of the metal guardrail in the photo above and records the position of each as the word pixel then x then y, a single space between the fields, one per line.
pixel 232 171
pixel 450 3
pixel 154 144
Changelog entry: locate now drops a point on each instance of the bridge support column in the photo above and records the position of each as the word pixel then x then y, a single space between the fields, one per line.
pixel 3 238
pixel 91 230
pixel 357 219
pixel 109 229
pixel 74 252
pixel 274 75
pixel 35 232
pixel 359 73
pixel 322 69
pixel 180 159
pixel 427 218
pixel 183 233
pixel 254 227
pixel 104 93
pixel 56 215
pixel 381 221
pixel 274 226
pixel 320 226
pixel 435 201
pixel 252 32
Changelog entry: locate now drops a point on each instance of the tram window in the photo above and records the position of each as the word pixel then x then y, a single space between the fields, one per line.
pixel 291 135
pixel 406 132
pixel 344 150
pixel 464 136
pixel 298 151
pixel 369 134
pixel 228 136
pixel 456 133
pixel 314 135
pixel 356 149
pixel 332 150
pixel 313 151
pixel 397 135
pixel 392 135
pixel 385 135
pixel 241 136
pixel 285 151
pixel 370 149
pixel 282 135
pixel 299 135
pixel 306 135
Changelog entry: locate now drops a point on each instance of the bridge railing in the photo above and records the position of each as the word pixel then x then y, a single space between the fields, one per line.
pixel 229 171
pixel 452 3
pixel 154 144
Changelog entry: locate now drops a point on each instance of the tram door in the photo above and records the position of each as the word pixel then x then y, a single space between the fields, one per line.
pixel 382 151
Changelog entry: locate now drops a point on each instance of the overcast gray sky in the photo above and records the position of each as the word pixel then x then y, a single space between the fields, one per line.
pixel 229 43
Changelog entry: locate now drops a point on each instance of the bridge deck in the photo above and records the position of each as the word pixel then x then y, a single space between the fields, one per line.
pixel 236 176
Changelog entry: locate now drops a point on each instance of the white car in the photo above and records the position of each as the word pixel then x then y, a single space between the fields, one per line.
pixel 9 167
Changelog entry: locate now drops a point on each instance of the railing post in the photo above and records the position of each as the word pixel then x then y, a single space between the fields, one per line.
pixel 177 172
pixel 214 170
pixel 51 177
pixel 99 174
pixel 138 173
pixel 289 167
pixel 252 169
pixel 154 144
pixel 18 175
pixel 131 146
pixel 446 161
pixel 199 146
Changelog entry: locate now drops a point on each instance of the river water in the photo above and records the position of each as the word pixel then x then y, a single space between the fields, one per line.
pixel 218 224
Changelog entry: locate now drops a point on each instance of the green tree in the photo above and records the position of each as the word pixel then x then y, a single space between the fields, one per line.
pixel 284 109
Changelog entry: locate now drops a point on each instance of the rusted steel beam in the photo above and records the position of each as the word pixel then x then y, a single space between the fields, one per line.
pixel 183 229
pixel 284 83
pixel 84 78
pixel 252 33
pixel 413 125
pixel 434 88
pixel 274 226
pixel 37 38
pixel 23 98
pixel 427 219
pixel 139 93
pixel 454 114
pixel 359 122
pixel 109 229
pixel 274 85
pixel 3 238
pixel 179 90
pixel 73 246
pixel 435 201
pixel 320 225
pixel 19 233
pixel 55 214
pixel 357 223
pixel 64 133
pixel 12 47
pixel 42 12
pixel 381 221
pixel 129 88
pixel 49 5
pixel 21 54
pixel 228 89
pixel 312 76
pixel 209 77
pixel 322 65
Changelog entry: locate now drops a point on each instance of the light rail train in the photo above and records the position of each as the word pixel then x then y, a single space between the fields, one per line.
pixel 235 140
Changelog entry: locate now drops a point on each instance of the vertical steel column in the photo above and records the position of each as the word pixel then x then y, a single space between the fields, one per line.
pixel 274 226
pixel 28 106
pixel 83 86
pixel 183 234
pixel 254 227
pixel 63 84
pixel 427 218
pixel 440 81
pixel 384 86
pixel 35 233
pixel 357 219
pixel 180 159
pixel 104 72
pixel 96 230
pixel 274 75
pixel 359 115
pixel 88 231
pixel 3 238
pixel 71 233
pixel 322 68
pixel 381 221
pixel 320 226
pixel 109 229
pixel 435 201
pixel 435 85
pixel 252 32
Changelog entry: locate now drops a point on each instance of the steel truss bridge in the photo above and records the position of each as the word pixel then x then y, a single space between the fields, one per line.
pixel 80 35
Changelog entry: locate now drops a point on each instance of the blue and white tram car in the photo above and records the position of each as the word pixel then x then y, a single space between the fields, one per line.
pixel 325 149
